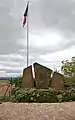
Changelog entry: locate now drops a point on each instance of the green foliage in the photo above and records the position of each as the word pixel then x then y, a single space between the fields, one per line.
pixel 4 99
pixel 16 81
pixel 42 95
pixel 69 82
pixel 68 67
pixel 69 95
pixel 33 95
pixel 39 95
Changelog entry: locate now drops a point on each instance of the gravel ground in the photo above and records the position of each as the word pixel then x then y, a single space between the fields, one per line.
pixel 37 111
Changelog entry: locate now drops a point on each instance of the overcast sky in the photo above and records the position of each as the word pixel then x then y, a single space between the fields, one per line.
pixel 51 34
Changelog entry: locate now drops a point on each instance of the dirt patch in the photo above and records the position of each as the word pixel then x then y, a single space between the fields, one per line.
pixel 5 89
pixel 29 111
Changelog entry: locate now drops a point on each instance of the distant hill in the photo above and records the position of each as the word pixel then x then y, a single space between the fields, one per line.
pixel 4 78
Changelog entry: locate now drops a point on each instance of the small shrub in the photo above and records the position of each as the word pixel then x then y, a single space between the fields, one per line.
pixel 16 81
pixel 4 98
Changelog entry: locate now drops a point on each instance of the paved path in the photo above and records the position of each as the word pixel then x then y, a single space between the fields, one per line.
pixel 35 111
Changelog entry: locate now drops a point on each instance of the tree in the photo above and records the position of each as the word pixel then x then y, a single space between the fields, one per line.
pixel 68 67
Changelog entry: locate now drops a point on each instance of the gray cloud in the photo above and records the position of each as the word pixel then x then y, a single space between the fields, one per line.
pixel 58 15
pixel 64 45
pixel 10 28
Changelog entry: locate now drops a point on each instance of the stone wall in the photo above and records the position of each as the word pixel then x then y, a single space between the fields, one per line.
pixel 57 81
pixel 42 76
pixel 27 81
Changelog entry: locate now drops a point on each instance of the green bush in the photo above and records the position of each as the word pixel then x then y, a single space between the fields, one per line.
pixel 69 82
pixel 16 81
pixel 4 99
pixel 42 95
pixel 69 95
pixel 39 95
pixel 33 95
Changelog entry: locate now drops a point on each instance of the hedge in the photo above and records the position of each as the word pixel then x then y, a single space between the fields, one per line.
pixel 42 95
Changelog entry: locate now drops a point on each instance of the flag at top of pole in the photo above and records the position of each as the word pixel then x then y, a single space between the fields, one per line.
pixel 25 15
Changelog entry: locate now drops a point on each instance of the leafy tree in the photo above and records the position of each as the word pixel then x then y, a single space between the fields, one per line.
pixel 68 67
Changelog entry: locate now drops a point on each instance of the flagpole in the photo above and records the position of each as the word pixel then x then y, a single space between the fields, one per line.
pixel 28 37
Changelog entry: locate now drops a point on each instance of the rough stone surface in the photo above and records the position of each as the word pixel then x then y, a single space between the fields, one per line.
pixel 42 76
pixel 27 80
pixel 37 111
pixel 57 81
